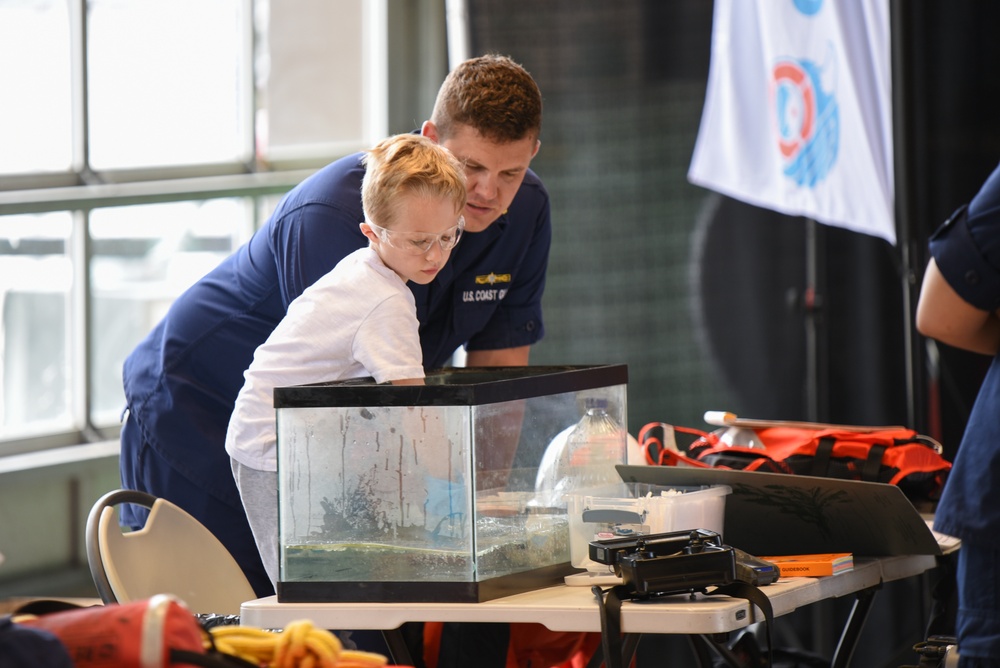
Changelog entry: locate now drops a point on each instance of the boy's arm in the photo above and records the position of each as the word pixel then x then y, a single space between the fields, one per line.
pixel 943 315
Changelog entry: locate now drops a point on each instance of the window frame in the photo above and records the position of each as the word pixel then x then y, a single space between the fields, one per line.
pixel 81 190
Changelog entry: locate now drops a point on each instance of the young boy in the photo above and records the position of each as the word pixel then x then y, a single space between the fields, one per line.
pixel 359 319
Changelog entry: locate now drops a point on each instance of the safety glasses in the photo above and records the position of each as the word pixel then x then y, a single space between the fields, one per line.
pixel 419 243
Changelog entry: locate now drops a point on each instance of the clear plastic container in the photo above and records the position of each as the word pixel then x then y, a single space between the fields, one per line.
pixel 582 457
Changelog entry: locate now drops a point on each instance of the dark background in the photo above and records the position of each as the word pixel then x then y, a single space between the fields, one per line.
pixel 704 297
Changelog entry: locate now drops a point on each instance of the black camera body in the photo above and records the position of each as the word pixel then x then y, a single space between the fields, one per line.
pixel 679 562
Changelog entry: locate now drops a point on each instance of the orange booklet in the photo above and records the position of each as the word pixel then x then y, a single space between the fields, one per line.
pixel 812 565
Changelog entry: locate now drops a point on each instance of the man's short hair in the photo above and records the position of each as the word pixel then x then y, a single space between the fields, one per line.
pixel 493 95
pixel 409 164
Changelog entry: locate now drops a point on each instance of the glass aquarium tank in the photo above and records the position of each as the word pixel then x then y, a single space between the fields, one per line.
pixel 426 490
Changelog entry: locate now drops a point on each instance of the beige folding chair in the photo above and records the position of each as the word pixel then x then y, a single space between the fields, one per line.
pixel 172 554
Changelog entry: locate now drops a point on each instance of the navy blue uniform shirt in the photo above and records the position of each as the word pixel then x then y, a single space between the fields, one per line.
pixel 966 250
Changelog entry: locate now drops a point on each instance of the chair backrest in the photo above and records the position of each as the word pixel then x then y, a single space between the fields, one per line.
pixel 172 554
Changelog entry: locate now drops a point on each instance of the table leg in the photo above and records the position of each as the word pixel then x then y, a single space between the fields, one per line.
pixel 719 648
pixel 399 652
pixel 852 630
pixel 700 648
pixel 629 644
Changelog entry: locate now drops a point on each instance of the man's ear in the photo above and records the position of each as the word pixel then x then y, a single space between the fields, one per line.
pixel 430 131
pixel 368 232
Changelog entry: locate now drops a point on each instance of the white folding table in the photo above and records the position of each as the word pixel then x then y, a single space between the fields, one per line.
pixel 575 608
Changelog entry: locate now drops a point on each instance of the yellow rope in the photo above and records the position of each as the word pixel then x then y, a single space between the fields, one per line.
pixel 298 645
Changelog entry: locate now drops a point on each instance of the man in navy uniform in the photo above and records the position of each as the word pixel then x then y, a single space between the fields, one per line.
pixel 959 305
pixel 182 380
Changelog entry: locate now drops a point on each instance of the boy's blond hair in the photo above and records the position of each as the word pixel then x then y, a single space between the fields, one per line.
pixel 409 164
pixel 494 96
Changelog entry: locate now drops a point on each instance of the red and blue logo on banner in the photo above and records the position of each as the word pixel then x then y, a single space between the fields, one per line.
pixel 807 122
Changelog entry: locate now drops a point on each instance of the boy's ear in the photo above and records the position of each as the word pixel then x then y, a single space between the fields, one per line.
pixel 369 232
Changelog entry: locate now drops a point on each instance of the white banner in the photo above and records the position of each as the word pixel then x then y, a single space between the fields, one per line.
pixel 798 112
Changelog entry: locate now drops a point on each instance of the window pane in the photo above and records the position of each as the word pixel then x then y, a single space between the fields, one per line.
pixel 35 87
pixel 36 276
pixel 143 257
pixel 312 97
pixel 166 82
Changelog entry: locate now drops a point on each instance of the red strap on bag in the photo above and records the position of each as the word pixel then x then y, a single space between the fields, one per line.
pixel 658 453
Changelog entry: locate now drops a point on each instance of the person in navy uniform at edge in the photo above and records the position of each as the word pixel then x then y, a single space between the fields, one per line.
pixel 182 380
pixel 958 305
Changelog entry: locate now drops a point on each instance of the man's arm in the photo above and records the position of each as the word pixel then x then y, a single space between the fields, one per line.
pixel 494 464
pixel 502 357
pixel 943 315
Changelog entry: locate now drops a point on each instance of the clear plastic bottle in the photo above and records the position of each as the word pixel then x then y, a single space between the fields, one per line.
pixel 582 456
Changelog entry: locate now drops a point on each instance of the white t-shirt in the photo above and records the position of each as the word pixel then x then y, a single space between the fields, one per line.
pixel 358 320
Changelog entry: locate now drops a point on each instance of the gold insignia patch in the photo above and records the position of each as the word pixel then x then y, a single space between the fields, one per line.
pixel 492 279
